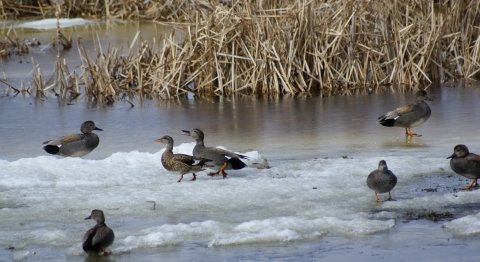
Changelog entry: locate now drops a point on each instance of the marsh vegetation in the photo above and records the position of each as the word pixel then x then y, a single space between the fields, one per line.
pixel 269 47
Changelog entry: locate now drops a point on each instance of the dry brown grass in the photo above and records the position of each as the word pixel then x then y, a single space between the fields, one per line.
pixel 334 46
pixel 107 9
pixel 288 47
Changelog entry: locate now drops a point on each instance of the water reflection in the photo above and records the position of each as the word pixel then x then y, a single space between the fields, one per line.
pixel 99 258
pixel 279 127
pixel 408 142
pixel 97 34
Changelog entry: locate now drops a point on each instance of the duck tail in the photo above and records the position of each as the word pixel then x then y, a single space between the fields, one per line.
pixel 384 121
pixel 236 163
pixel 51 149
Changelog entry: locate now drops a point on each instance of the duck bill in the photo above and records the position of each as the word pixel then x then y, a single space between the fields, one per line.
pixel 89 217
pixel 96 128
pixel 428 98
pixel 452 156
pixel 158 140
pixel 186 132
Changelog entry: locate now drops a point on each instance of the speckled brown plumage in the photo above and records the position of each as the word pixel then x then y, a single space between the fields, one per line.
pixel 180 163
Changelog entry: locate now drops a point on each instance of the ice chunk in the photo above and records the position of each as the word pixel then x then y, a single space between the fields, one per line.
pixel 465 226
pixel 51 23
pixel 21 255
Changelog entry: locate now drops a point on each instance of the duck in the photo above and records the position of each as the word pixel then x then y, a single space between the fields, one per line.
pixel 216 155
pixel 465 164
pixel 382 180
pixel 99 237
pixel 409 116
pixel 180 163
pixel 75 145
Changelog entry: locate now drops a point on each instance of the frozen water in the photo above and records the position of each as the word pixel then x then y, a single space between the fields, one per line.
pixel 20 255
pixel 465 226
pixel 287 202
pixel 314 191
pixel 51 23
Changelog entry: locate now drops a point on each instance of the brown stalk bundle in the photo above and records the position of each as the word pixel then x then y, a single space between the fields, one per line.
pixel 113 75
pixel 335 47
pixel 292 47
pixel 109 9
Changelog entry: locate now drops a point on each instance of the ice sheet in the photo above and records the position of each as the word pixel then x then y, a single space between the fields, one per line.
pixel 51 23
pixel 465 226
pixel 293 201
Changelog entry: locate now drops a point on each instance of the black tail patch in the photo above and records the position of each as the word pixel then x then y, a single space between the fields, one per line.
pixel 236 163
pixel 51 149
pixel 387 122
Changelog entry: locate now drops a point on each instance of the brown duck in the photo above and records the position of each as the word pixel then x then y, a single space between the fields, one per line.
pixel 99 237
pixel 180 163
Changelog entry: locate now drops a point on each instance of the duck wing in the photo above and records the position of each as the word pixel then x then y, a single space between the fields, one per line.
pixel 474 159
pixel 404 110
pixel 66 139
pixel 87 238
pixel 183 158
pixel 190 160
pixel 228 153
pixel 397 113
pixel 103 234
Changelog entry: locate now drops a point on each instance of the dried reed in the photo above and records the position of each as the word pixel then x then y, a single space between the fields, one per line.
pixel 283 47
pixel 334 47
pixel 109 9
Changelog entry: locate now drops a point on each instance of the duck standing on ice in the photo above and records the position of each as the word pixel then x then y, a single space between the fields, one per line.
pixel 409 116
pixel 75 145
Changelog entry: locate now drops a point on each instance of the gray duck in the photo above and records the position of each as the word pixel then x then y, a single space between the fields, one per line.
pixel 216 155
pixel 381 180
pixel 99 237
pixel 465 164
pixel 409 116
pixel 75 145
pixel 180 163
